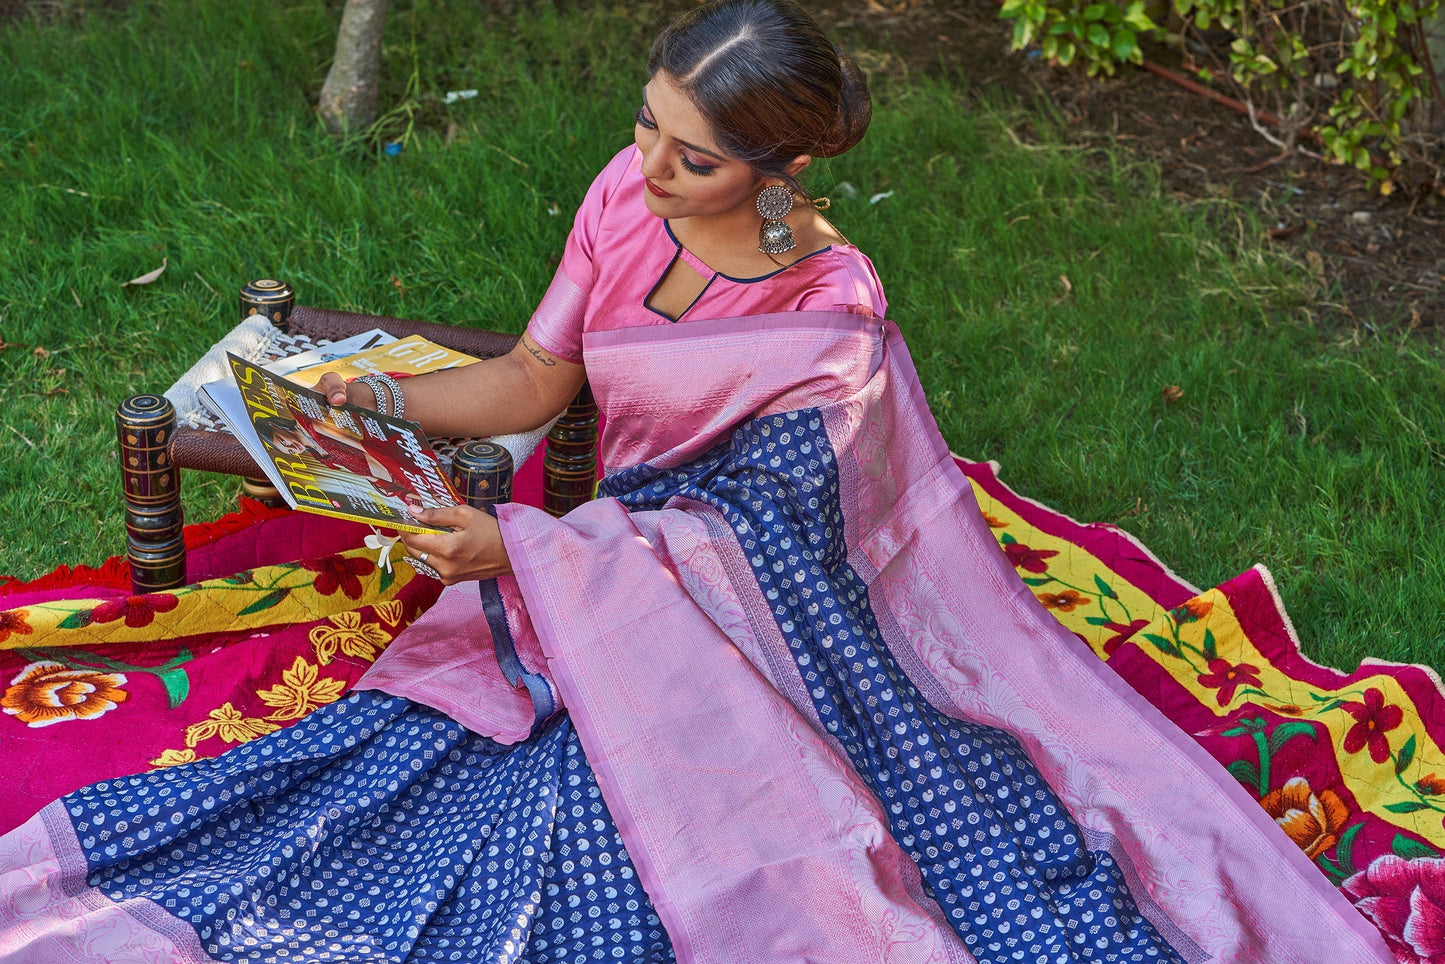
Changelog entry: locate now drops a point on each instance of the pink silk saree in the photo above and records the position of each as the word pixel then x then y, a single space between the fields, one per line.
pixel 754 836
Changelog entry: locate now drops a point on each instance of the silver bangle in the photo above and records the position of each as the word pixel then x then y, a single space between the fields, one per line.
pixel 389 402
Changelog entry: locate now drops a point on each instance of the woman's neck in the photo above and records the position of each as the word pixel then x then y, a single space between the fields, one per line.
pixel 729 243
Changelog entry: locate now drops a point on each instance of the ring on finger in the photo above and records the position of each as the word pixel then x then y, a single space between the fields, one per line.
pixel 420 566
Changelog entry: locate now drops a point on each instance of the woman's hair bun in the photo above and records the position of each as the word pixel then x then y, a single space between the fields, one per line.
pixel 769 82
pixel 855 110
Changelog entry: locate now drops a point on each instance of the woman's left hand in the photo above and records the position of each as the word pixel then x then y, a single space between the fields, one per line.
pixel 472 550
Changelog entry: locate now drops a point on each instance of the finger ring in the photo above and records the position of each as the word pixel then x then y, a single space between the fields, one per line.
pixel 423 558
pixel 423 568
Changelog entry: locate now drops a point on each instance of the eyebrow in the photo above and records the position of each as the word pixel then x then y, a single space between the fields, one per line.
pixel 700 150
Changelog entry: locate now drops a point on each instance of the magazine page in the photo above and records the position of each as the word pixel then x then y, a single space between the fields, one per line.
pixel 344 461
pixel 322 354
pixel 412 355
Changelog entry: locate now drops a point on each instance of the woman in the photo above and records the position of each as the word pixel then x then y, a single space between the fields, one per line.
pixel 738 708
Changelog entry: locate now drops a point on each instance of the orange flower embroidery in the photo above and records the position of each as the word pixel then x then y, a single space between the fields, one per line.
pixel 300 691
pixel 46 693
pixel 1064 602
pixel 994 522
pixel 1312 822
pixel 13 621
pixel 1430 785
pixel 1192 611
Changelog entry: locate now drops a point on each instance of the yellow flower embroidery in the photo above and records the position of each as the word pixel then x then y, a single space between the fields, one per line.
pixel 351 636
pixel 300 691
pixel 172 758
pixel 390 611
pixel 228 723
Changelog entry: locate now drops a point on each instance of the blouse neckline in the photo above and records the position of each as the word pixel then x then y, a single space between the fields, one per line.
pixel 702 268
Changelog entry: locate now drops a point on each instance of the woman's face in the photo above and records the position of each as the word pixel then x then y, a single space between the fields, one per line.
pixel 287 442
pixel 687 173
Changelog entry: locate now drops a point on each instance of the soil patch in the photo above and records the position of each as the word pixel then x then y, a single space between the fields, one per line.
pixel 1380 260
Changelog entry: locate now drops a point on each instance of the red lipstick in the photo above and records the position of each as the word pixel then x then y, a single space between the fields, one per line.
pixel 657 191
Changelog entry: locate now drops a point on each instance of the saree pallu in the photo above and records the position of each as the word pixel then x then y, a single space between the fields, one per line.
pixel 827 719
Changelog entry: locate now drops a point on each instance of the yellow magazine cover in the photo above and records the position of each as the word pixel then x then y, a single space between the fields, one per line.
pixel 412 355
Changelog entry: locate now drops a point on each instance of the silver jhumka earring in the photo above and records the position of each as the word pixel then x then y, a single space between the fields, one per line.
pixel 774 203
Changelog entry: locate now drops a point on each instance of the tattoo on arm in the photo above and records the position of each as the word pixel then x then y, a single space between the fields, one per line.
pixel 538 354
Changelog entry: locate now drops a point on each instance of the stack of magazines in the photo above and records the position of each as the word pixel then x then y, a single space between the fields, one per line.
pixel 343 460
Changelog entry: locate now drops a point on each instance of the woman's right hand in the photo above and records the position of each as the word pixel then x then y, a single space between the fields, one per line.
pixel 339 391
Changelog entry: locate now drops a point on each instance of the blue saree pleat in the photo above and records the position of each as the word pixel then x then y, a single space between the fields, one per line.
pixel 996 847
pixel 376 829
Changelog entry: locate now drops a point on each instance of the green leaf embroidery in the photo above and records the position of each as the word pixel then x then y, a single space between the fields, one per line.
pixel 1097 620
pixel 76 620
pixel 1165 646
pixel 1104 588
pixel 1211 651
pixel 265 602
pixel 1345 849
pixel 177 684
pixel 1407 806
pixel 1409 848
pixel 1283 733
pixel 1407 754
pixel 1244 772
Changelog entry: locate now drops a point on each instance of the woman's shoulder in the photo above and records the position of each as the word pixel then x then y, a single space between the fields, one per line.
pixel 839 278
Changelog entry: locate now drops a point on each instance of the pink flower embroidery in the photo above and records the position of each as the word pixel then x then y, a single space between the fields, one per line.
pixel 1406 900
pixel 339 572
pixel 1227 676
pixel 1122 634
pixel 1028 559
pixel 137 611
pixel 1373 719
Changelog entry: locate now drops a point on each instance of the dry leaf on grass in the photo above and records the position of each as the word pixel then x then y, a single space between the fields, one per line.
pixel 1068 289
pixel 1171 393
pixel 149 276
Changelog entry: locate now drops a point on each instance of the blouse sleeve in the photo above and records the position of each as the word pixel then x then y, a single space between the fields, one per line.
pixel 556 325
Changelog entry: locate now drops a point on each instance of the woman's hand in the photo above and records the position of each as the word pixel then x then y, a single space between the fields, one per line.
pixel 472 550
pixel 339 391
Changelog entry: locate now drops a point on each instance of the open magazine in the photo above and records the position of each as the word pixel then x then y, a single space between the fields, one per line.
pixel 344 461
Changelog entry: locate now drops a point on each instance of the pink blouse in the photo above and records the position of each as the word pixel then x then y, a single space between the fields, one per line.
pixel 619 251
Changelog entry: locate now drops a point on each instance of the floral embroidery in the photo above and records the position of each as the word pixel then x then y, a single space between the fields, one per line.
pixel 1226 677
pixel 1313 821
pixel 45 693
pixel 1430 785
pixel 13 621
pixel 300 691
pixel 1406 900
pixel 1064 602
pixel 1122 634
pixel 228 723
pixel 137 611
pixel 1373 719
pixel 1027 558
pixel 351 636
pixel 171 758
pixel 994 522
pixel 1192 611
pixel 339 572
pixel 391 611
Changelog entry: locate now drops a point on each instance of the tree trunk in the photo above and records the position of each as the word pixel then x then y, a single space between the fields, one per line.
pixel 348 98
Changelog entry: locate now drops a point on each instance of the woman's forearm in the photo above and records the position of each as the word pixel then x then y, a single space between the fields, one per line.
pixel 516 392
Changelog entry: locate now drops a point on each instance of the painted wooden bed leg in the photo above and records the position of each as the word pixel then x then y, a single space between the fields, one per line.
pixel 269 298
pixel 569 466
pixel 482 473
pixel 155 543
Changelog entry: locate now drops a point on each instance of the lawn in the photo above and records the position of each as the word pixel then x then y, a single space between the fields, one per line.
pixel 1125 356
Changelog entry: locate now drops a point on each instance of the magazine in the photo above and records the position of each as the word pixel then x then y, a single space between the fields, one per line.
pixel 364 354
pixel 343 461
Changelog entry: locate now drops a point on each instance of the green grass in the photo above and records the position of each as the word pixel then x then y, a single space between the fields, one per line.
pixel 186 132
